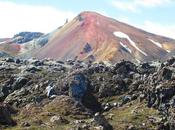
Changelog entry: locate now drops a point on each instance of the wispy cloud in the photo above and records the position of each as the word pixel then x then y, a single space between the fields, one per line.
pixel 135 5
pixel 160 29
pixel 16 18
pixel 167 30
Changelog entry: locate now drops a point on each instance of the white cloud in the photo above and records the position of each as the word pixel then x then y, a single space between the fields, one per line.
pixel 167 30
pixel 152 3
pixel 160 29
pixel 16 18
pixel 124 5
pixel 135 5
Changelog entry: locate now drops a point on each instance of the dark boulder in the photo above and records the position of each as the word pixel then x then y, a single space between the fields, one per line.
pixel 146 68
pixel 32 69
pixel 5 115
pixel 124 68
pixel 17 61
pixel 37 63
pixel 6 89
pixel 10 59
pixel 78 86
pixel 126 99
pixel 170 61
pixel 165 74
pixel 100 120
pixel 19 83
pixel 107 88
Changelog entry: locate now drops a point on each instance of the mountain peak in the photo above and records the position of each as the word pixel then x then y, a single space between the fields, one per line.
pixel 89 13
pixel 88 16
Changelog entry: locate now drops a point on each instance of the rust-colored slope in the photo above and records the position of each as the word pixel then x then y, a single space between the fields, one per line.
pixel 99 32
pixel 11 49
pixel 69 41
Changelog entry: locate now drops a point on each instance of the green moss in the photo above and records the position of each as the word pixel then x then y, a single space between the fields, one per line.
pixel 124 116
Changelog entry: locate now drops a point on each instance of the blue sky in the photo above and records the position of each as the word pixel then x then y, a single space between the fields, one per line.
pixel 155 16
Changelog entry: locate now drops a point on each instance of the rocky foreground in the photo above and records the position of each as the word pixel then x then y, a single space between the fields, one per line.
pixel 74 95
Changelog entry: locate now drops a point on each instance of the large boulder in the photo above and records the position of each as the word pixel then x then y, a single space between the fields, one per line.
pixel 124 68
pixel 6 88
pixel 108 89
pixel 78 86
pixel 165 74
pixel 19 83
pixel 5 115
pixel 146 68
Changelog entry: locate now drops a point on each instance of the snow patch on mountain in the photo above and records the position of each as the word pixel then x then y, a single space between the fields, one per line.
pixel 138 61
pixel 123 35
pixel 156 43
pixel 126 47
pixel 168 51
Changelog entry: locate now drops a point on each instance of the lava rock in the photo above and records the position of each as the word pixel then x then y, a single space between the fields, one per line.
pixel 32 69
pixel 101 121
pixel 19 83
pixel 10 59
pixel 165 74
pixel 58 120
pixel 5 116
pixel 78 86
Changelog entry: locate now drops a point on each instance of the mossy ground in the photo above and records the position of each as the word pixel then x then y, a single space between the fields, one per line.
pixel 134 113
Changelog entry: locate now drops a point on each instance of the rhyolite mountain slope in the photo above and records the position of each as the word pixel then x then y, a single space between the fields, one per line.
pixel 109 40
pixel 91 36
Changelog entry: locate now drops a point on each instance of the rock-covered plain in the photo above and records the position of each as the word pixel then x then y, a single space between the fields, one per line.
pixel 75 95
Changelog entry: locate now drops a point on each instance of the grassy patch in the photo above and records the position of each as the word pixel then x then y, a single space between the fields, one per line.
pixel 136 114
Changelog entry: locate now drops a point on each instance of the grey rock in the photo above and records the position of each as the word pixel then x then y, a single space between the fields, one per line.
pixel 58 120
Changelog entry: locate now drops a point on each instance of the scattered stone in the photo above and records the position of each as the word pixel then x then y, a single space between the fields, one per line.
pixel 25 124
pixel 126 99
pixel 58 120
pixel 131 127
pixel 99 128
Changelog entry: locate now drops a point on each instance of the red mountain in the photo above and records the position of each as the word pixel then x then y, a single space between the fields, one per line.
pixel 108 40
pixel 96 37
